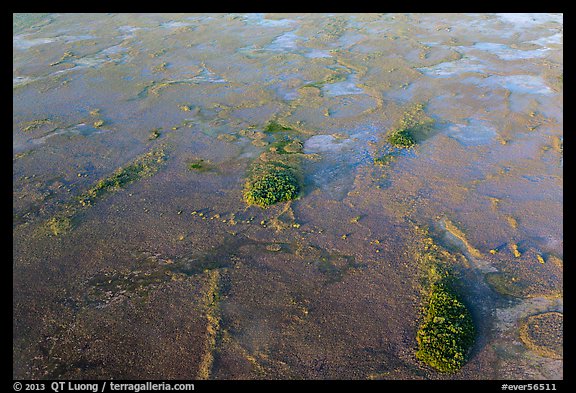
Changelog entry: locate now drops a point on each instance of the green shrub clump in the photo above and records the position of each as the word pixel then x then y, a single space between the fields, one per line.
pixel 276 185
pixel 447 332
pixel 402 138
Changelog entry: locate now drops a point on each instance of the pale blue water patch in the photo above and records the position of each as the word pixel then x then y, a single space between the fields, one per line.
pixel 106 55
pixel 521 84
pixel 174 24
pixel 527 20
pixel 284 42
pixel 349 39
pixel 343 88
pixel 505 52
pixel 21 42
pixel 287 94
pixel 317 54
pixel 473 133
pixel 325 143
pixel 554 39
pixel 340 157
pixel 82 129
pixel 454 68
pixel 259 19
pixel 206 76
pixel 128 31
pixel 22 80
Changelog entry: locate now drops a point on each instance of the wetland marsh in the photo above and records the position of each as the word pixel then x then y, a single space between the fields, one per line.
pixel 288 196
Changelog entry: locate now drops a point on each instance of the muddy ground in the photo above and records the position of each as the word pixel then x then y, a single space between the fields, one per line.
pixel 172 276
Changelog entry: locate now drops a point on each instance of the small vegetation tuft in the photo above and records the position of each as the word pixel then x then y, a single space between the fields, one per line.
pixel 272 186
pixel 414 127
pixel 402 138
pixel 273 126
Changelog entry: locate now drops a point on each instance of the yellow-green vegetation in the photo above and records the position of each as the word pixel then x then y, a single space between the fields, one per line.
pixel 339 77
pixel 515 251
pixel 275 184
pixel 32 125
pixel 459 234
pixel 275 175
pixel 543 333
pixel 154 134
pixel 212 324
pixel 447 332
pixel 65 56
pixel 402 138
pixel 59 224
pixel 143 166
pixel 412 128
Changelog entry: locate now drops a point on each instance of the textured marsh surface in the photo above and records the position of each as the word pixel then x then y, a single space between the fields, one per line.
pixel 134 136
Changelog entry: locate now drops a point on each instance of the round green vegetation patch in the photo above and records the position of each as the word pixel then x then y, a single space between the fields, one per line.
pixel 402 138
pixel 276 185
pixel 447 332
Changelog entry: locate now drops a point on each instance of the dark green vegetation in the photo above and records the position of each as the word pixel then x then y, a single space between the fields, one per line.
pixel 402 138
pixel 275 175
pixel 414 127
pixel 196 165
pixel 273 126
pixel 143 166
pixel 447 332
pixel 275 185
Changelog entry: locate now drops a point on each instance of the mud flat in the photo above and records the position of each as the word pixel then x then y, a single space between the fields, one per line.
pixel 274 196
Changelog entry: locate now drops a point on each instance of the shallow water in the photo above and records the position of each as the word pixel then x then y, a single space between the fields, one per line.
pixel 125 293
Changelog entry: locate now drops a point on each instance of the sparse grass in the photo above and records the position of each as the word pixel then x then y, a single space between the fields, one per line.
pixel 273 186
pixel 287 145
pixel 34 124
pixel 414 127
pixel 59 224
pixel 143 166
pixel 329 80
pixel 447 332
pixel 384 160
